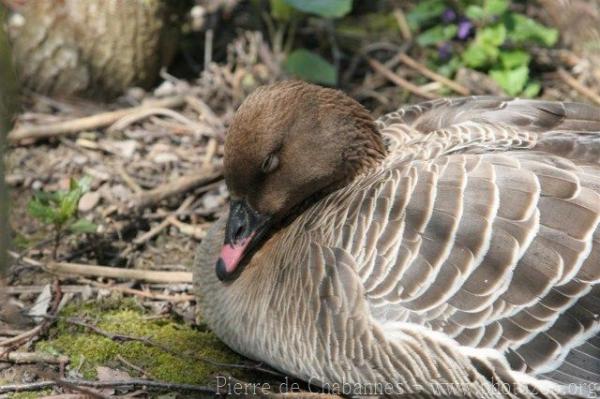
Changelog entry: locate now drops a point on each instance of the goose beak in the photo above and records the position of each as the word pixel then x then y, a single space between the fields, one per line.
pixel 245 227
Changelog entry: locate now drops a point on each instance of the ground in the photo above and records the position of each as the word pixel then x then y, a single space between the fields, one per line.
pixel 155 186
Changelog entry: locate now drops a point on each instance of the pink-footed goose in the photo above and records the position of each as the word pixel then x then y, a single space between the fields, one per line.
pixel 444 248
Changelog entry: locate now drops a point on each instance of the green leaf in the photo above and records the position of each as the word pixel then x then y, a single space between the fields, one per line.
pixel 523 30
pixel 531 90
pixel 512 81
pixel 424 12
pixel 437 34
pixel 68 205
pixel 495 7
pixel 493 35
pixel 311 67
pixel 483 50
pixel 37 209
pixel 81 226
pixel 514 59
pixel 475 13
pixel 82 184
pixel 280 10
pixel 449 68
pixel 323 8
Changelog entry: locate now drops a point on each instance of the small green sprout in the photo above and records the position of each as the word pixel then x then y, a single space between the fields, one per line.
pixel 59 210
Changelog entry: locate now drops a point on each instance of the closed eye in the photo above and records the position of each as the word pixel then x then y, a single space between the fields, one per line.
pixel 270 163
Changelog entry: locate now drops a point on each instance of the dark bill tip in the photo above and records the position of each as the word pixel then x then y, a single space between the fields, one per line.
pixel 221 270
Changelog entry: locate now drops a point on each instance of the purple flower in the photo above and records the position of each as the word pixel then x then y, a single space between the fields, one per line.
pixel 465 28
pixel 445 51
pixel 449 15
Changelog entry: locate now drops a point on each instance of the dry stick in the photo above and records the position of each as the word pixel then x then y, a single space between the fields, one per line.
pixel 166 222
pixel 127 363
pixel 146 112
pixel 147 294
pixel 402 24
pixel 162 385
pixel 181 185
pixel 422 69
pixel 34 357
pixel 132 184
pixel 150 276
pixel 86 123
pixel 21 337
pixel 190 230
pixel 405 84
pixel 158 228
pixel 574 83
pixel 95 286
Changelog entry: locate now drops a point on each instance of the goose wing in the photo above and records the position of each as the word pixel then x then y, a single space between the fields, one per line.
pixel 497 249
pixel 480 124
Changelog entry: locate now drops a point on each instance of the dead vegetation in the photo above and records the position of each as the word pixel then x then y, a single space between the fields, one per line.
pixel 155 162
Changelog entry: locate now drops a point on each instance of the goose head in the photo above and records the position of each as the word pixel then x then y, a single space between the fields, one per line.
pixel 289 144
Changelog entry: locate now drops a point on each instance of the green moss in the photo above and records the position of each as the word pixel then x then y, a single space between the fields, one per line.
pixel 30 395
pixel 89 349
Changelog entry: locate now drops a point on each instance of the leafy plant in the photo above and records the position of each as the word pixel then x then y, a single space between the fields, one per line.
pixel 482 34
pixel 322 8
pixel 310 66
pixel 59 210
pixel 304 63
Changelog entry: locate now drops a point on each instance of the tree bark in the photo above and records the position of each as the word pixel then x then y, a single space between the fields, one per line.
pixel 9 95
pixel 95 48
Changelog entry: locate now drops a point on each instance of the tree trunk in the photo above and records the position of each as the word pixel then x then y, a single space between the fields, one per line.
pixel 8 105
pixel 95 48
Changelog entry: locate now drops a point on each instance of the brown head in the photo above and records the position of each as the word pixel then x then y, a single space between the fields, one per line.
pixel 289 144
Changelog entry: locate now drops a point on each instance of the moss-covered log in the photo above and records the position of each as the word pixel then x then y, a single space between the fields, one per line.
pixel 93 47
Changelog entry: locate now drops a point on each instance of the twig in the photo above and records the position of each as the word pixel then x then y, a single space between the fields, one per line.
pixel 422 69
pixel 34 357
pixel 159 385
pixel 147 294
pixel 208 46
pixel 211 149
pixel 140 370
pixel 181 185
pixel 86 123
pixel 405 84
pixel 21 337
pixel 40 328
pixel 204 111
pixel 191 230
pixel 581 89
pixel 95 286
pixel 402 24
pixel 166 222
pixel 128 179
pixel 143 113
pixel 151 276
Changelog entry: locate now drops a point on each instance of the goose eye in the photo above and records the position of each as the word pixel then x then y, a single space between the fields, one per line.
pixel 270 163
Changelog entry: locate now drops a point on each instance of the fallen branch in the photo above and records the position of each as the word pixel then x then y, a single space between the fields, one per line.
pixel 147 294
pixel 34 357
pixel 150 276
pixel 22 337
pixel 160 385
pixel 402 24
pixel 181 185
pixel 423 70
pixel 97 121
pixel 581 89
pixel 405 84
